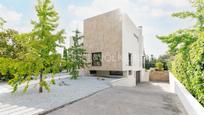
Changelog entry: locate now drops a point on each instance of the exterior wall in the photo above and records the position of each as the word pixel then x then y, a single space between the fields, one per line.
pixel 103 33
pixel 130 44
pixel 112 34
pixel 145 76
pixel 191 105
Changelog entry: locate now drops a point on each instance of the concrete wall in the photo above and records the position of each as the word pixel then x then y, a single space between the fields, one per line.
pixel 131 44
pixel 103 33
pixel 192 106
pixel 145 76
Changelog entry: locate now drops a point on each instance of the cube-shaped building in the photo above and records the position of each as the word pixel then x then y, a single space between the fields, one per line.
pixel 114 45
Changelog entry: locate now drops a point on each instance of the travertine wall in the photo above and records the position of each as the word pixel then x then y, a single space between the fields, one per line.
pixel 103 33
pixel 162 76
pixel 113 34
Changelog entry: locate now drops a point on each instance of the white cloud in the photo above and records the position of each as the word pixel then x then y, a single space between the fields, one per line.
pixel 148 13
pixel 9 15
pixel 175 3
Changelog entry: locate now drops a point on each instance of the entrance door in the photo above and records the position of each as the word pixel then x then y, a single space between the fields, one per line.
pixel 138 73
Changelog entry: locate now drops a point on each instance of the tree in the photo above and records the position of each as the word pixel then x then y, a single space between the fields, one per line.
pixel 76 56
pixel 187 48
pixel 152 61
pixel 147 62
pixel 8 50
pixel 2 22
pixel 65 57
pixel 45 40
pixel 159 65
pixel 165 59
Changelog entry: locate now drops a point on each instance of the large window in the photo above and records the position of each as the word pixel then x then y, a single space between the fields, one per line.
pixel 96 59
pixel 129 59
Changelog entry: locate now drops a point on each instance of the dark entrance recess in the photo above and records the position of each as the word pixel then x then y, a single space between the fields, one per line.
pixel 120 73
pixel 138 74
pixel 93 72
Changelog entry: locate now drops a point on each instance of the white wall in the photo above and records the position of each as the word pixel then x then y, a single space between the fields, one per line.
pixel 192 106
pixel 145 76
pixel 130 44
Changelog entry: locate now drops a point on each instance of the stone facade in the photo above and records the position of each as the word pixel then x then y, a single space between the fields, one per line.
pixel 115 36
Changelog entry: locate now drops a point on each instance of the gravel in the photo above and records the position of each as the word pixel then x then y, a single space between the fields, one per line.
pixel 64 91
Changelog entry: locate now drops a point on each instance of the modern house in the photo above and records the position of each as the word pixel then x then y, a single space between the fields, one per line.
pixel 114 45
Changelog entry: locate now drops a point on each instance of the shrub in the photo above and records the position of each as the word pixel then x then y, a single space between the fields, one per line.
pixel 159 66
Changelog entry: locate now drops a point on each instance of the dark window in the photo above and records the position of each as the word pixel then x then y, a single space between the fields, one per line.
pixel 130 72
pixel 129 59
pixel 92 72
pixel 116 73
pixel 96 59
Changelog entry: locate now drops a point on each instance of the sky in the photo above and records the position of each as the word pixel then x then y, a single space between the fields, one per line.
pixel 153 15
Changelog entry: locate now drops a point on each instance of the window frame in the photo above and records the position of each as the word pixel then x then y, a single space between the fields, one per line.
pixel 96 61
pixel 130 59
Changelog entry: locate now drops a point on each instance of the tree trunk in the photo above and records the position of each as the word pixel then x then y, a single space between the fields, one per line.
pixel 40 88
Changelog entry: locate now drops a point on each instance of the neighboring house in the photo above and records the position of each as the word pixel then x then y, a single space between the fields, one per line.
pixel 114 45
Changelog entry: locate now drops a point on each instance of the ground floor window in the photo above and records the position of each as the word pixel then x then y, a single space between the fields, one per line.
pixel 130 72
pixel 129 59
pixel 116 73
pixel 93 72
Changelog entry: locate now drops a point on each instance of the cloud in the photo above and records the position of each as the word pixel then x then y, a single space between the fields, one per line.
pixel 9 15
pixel 132 8
pixel 154 15
pixel 175 3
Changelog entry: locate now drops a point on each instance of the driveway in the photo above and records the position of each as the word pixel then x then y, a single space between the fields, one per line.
pixel 145 99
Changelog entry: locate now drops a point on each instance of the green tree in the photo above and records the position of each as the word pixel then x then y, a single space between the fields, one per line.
pixel 152 61
pixel 65 57
pixel 2 22
pixel 76 56
pixel 46 40
pixel 186 46
pixel 147 62
pixel 8 49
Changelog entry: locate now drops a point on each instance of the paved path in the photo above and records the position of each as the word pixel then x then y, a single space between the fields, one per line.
pixel 145 99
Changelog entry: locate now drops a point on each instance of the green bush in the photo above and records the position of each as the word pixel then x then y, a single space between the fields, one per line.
pixel 186 47
pixel 159 66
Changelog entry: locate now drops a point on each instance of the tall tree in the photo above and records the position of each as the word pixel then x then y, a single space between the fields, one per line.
pixel 76 56
pixel 47 39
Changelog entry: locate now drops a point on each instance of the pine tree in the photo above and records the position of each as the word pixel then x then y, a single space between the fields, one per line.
pixel 76 56
pixel 47 39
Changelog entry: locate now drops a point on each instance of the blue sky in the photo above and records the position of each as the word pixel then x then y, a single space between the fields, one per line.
pixel 153 15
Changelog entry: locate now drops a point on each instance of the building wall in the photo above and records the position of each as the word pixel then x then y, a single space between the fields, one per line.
pixel 103 33
pixel 131 44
